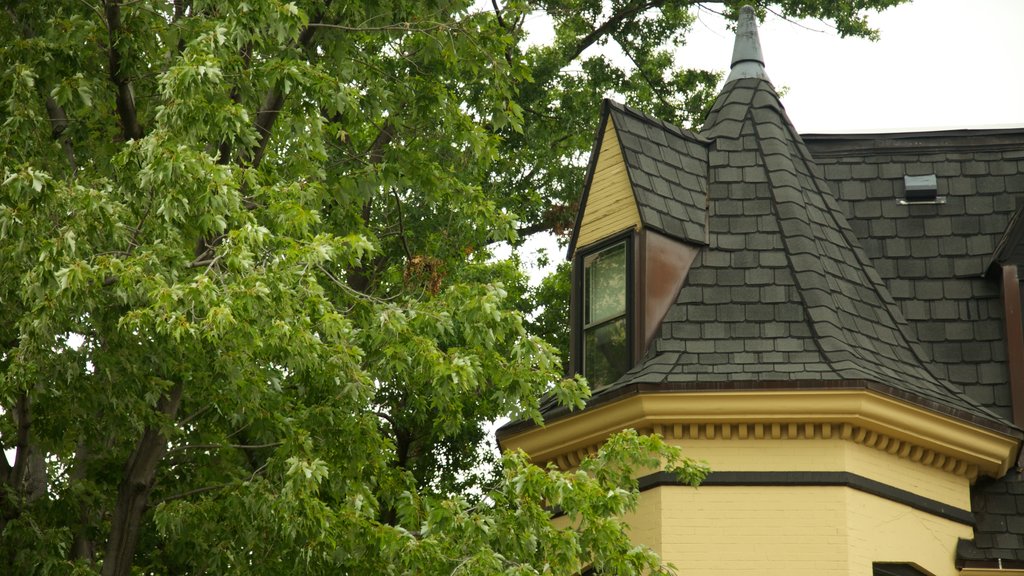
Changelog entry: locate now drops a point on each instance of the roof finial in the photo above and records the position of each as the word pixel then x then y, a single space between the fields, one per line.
pixel 747 61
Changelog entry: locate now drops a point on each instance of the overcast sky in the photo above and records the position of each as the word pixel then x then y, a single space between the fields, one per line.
pixel 938 64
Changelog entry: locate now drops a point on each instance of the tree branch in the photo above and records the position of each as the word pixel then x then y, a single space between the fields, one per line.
pixel 58 124
pixel 130 127
pixel 82 547
pixel 384 137
pixel 236 96
pixel 532 229
pixel 274 99
pixel 644 75
pixel 23 420
pixel 195 491
pixel 401 224
pixel 221 446
pixel 358 279
pixel 398 27
pixel 497 14
pixel 611 24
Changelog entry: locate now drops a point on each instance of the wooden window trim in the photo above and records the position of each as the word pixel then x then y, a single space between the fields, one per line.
pixel 576 300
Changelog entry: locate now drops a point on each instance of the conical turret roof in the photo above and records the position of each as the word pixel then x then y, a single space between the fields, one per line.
pixel 783 295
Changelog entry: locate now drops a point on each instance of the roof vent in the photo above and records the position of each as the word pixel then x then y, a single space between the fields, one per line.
pixel 921 190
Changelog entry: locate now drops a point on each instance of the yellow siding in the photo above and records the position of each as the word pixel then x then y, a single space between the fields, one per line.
pixel 610 205
pixel 794 530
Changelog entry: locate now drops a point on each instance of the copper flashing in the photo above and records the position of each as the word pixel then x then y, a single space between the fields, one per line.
pixel 663 266
pixel 1010 248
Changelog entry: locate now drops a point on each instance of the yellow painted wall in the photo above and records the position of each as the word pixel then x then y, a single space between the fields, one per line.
pixel 830 455
pixel 794 530
pixel 884 531
pixel 610 205
pixel 642 529
pixel 720 530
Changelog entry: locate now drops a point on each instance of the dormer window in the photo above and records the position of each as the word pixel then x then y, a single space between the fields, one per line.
pixel 606 333
pixel 640 224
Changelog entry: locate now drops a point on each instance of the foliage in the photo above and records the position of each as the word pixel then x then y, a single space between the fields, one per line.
pixel 550 321
pixel 250 320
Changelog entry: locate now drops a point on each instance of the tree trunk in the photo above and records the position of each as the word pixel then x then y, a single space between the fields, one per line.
pixel 83 547
pixel 134 490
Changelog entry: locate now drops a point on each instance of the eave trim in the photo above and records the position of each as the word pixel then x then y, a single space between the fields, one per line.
pixel 864 416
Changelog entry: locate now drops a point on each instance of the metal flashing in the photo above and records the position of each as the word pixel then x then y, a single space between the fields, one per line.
pixel 921 190
pixel 747 59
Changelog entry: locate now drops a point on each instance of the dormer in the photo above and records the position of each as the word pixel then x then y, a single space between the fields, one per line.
pixel 641 222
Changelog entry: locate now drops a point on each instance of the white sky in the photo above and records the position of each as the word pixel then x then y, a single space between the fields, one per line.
pixel 939 64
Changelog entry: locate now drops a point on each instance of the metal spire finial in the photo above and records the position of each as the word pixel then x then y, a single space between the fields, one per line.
pixel 747 61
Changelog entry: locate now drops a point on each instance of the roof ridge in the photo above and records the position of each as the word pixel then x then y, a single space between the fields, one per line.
pixel 817 266
pixel 656 122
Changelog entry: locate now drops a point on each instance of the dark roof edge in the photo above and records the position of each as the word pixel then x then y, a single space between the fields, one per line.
pixel 990 564
pixel 635 388
pixel 589 178
pixel 873 144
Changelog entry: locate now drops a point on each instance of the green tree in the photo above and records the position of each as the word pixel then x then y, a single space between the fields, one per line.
pixel 249 320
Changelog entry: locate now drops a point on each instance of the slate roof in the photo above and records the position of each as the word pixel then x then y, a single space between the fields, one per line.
pixel 803 284
pixel 998 507
pixel 934 257
pixel 667 167
pixel 934 260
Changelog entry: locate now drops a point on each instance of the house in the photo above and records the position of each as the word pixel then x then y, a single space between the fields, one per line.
pixel 832 322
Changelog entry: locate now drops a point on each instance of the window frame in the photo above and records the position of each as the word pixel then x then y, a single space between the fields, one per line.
pixel 578 301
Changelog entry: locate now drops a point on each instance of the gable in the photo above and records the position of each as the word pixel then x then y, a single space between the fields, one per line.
pixel 610 206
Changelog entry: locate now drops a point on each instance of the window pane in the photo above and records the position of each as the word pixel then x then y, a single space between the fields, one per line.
pixel 605 284
pixel 605 356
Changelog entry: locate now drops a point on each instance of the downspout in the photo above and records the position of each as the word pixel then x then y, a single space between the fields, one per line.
pixel 1014 341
